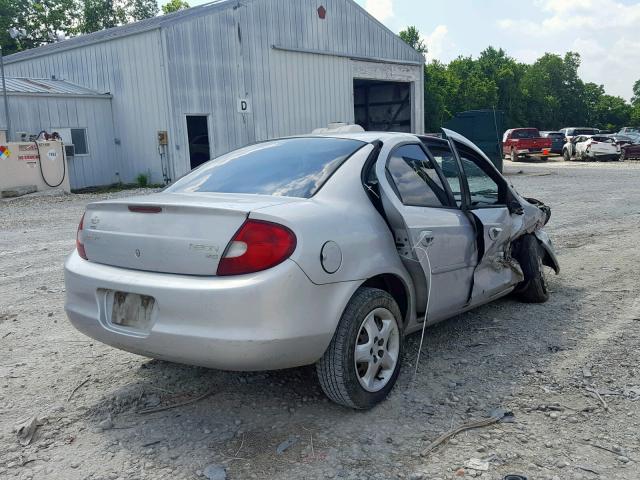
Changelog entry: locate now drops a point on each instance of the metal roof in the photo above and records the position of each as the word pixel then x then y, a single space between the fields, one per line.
pixel 122 31
pixel 152 24
pixel 46 86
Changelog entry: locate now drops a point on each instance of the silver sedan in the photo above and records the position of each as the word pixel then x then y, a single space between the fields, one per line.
pixel 327 249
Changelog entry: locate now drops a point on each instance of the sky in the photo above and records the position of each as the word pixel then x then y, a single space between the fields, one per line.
pixel 606 33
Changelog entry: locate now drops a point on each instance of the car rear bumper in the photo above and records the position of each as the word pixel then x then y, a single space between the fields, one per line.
pixel 603 157
pixel 269 320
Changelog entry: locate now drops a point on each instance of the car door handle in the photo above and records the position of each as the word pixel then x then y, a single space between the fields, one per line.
pixel 426 238
pixel 494 232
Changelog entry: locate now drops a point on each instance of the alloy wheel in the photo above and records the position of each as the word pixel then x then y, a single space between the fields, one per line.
pixel 377 349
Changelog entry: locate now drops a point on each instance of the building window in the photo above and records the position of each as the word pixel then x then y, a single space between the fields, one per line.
pixel 79 140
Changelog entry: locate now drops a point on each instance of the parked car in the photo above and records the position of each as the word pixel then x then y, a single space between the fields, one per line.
pixel 631 151
pixel 596 147
pixel 523 143
pixel 627 130
pixel 622 140
pixel 324 250
pixel 570 132
pixel 557 141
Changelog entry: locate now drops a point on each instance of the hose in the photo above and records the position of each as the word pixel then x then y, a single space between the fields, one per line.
pixel 64 166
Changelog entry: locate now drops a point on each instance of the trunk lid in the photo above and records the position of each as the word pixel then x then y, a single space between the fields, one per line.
pixel 182 233
pixel 604 147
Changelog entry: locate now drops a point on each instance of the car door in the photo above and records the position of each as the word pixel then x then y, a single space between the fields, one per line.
pixel 487 198
pixel 579 145
pixel 433 236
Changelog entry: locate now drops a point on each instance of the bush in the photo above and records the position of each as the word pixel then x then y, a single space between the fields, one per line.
pixel 143 180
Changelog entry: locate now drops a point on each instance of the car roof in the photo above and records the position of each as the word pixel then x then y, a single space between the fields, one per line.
pixel 367 137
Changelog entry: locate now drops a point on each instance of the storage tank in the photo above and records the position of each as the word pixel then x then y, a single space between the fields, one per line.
pixel 27 167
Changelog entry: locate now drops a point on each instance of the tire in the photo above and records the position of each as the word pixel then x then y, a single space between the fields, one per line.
pixel 514 156
pixel 544 158
pixel 565 154
pixel 343 379
pixel 529 253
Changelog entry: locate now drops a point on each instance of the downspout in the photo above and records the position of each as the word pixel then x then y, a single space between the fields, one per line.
pixel 7 115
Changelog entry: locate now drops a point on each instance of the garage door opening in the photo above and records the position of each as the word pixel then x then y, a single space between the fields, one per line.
pixel 382 106
pixel 198 135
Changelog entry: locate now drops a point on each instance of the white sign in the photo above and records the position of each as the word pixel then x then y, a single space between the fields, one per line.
pixel 244 106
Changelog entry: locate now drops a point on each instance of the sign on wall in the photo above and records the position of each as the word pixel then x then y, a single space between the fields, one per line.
pixel 244 106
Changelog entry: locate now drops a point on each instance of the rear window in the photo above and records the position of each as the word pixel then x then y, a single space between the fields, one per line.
pixel 528 133
pixel 555 134
pixel 602 139
pixel 292 167
pixel 584 131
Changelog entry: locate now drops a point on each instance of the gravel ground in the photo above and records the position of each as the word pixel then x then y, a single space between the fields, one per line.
pixel 540 362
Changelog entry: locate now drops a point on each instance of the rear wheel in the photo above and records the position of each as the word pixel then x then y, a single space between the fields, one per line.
pixel 566 155
pixel 362 363
pixel 529 253
pixel 514 156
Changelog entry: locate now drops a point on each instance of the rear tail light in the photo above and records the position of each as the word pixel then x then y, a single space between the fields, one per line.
pixel 594 142
pixel 79 244
pixel 257 246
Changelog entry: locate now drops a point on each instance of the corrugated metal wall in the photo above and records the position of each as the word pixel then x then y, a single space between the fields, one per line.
pixel 204 64
pixel 32 113
pixel 217 59
pixel 129 68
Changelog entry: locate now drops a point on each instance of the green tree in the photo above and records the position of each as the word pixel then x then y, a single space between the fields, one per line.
pixel 635 100
pixel 613 112
pixel 507 75
pixel 141 9
pixel 437 92
pixel 470 88
pixel 634 118
pixel 41 21
pixel 411 36
pixel 101 14
pixel 174 6
pixel 9 13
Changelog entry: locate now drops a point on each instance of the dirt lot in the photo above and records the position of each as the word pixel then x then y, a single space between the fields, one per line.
pixel 538 361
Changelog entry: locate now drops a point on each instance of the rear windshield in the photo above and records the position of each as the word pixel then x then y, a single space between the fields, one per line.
pixel 528 133
pixel 602 139
pixel 292 167
pixel 555 134
pixel 584 131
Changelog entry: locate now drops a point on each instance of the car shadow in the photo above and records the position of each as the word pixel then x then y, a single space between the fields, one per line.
pixel 469 365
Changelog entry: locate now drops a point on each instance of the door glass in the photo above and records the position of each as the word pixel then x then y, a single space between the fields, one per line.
pixel 484 191
pixel 415 178
pixel 443 155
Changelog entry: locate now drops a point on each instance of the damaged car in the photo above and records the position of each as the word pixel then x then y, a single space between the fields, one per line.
pixel 325 249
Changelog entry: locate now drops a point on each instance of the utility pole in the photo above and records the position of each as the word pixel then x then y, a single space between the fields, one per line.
pixel 7 116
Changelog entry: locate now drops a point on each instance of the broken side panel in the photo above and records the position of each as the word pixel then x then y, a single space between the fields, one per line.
pixel 496 271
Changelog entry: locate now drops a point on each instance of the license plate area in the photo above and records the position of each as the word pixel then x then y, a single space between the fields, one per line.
pixel 132 311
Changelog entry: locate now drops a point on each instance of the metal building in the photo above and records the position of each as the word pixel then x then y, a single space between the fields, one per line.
pixel 229 73
pixel 80 115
